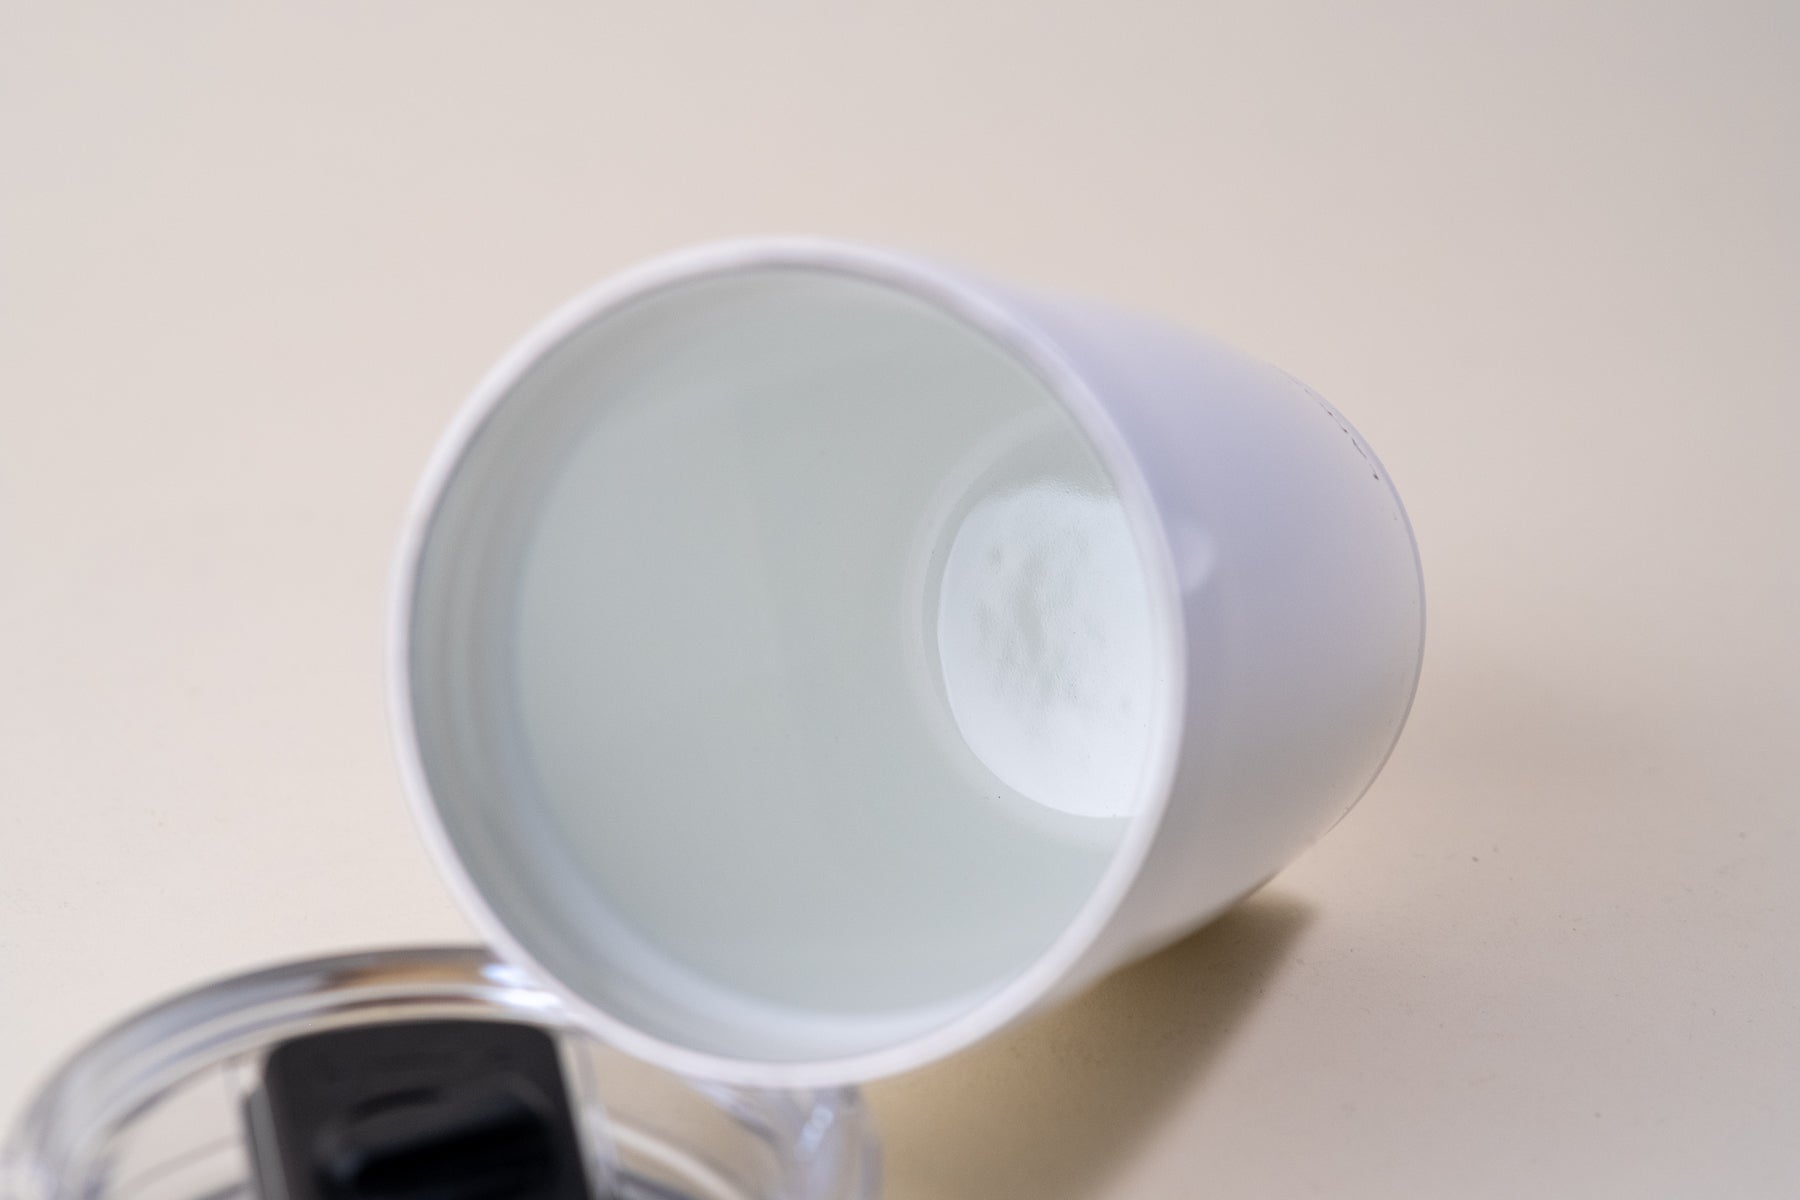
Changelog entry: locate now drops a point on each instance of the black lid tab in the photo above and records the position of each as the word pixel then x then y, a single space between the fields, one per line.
pixel 420 1110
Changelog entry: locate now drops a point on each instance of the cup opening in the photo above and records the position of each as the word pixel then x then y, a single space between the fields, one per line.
pixel 785 669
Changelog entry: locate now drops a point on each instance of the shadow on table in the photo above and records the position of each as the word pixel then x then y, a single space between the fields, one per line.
pixel 1048 1110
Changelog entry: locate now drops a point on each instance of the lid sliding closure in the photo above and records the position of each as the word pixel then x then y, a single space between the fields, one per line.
pixel 418 1110
pixel 426 1074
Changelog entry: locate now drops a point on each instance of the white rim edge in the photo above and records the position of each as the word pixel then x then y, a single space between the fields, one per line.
pixel 1039 353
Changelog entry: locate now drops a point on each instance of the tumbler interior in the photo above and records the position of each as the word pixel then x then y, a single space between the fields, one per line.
pixel 781 663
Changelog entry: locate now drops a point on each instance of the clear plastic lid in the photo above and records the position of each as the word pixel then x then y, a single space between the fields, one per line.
pixel 422 1074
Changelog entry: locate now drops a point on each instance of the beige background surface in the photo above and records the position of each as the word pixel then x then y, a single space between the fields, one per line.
pixel 1545 255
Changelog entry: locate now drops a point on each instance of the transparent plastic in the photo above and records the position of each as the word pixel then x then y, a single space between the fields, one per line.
pixel 153 1109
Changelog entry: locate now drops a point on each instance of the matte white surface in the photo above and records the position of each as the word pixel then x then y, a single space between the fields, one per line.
pixel 659 643
pixel 1543 254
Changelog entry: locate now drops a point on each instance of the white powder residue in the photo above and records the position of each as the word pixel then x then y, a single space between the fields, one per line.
pixel 1044 637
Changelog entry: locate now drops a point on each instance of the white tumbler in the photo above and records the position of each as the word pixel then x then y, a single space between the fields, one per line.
pixel 809 658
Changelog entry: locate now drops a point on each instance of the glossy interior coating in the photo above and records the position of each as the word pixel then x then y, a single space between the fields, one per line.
pixel 781 664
